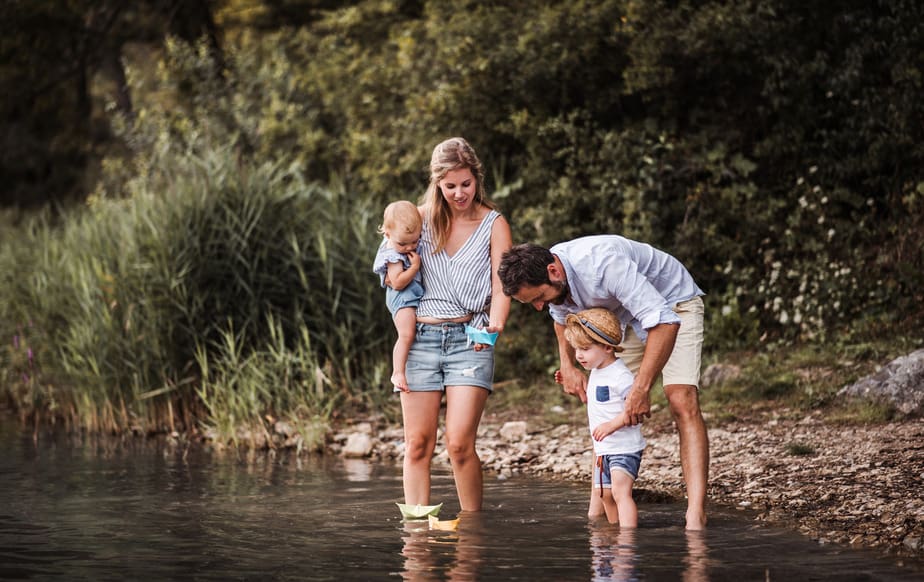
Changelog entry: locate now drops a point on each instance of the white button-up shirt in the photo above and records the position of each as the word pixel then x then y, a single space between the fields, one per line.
pixel 636 281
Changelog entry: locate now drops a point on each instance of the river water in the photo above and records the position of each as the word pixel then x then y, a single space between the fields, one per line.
pixel 145 509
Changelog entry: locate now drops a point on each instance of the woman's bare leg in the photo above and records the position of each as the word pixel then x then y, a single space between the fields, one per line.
pixel 464 407
pixel 420 411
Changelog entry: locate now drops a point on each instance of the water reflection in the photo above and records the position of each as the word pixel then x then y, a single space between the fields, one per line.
pixel 429 554
pixel 696 561
pixel 614 552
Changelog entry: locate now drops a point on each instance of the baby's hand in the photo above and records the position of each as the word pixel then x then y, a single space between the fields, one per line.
pixel 414 258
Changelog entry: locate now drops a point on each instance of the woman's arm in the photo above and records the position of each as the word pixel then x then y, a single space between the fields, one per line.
pixel 501 241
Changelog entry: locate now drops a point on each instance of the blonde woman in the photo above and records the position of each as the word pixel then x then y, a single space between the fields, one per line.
pixel 460 248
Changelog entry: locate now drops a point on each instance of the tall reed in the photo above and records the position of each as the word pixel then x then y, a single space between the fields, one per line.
pixel 209 292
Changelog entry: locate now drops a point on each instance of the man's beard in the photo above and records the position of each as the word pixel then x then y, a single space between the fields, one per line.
pixel 563 292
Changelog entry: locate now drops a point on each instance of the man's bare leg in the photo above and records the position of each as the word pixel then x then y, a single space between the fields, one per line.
pixel 694 449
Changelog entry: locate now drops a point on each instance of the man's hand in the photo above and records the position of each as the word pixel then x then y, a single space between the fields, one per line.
pixel 638 405
pixel 573 382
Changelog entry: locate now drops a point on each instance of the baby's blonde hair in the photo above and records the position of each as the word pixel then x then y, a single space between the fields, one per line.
pixel 401 217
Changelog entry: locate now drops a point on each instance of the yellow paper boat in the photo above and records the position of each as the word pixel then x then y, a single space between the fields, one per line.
pixel 418 511
pixel 446 525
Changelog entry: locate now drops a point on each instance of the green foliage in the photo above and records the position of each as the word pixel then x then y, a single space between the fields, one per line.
pixel 783 166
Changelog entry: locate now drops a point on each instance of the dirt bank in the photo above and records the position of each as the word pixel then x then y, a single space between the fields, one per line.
pixel 856 485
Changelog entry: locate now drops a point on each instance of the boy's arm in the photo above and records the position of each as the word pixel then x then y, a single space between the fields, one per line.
pixel 605 429
pixel 398 277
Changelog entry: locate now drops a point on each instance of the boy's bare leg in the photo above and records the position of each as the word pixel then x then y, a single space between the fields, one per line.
pixel 694 449
pixel 596 508
pixel 608 504
pixel 406 324
pixel 622 497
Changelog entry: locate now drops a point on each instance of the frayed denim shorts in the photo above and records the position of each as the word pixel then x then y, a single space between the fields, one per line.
pixel 628 463
pixel 442 355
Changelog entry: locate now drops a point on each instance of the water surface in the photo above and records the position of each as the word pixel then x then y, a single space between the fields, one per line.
pixel 140 509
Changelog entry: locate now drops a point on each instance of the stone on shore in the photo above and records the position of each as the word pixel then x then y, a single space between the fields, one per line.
pixel 899 383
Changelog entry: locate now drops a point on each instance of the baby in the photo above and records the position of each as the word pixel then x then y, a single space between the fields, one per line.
pixel 398 266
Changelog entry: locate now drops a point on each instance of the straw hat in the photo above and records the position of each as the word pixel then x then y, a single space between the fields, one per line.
pixel 600 324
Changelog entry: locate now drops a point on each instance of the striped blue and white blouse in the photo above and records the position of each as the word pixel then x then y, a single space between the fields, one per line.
pixel 457 285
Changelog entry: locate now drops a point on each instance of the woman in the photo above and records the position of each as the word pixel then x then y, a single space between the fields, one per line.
pixel 460 248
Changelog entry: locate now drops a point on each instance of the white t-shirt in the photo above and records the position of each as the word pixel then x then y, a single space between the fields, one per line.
pixel 606 399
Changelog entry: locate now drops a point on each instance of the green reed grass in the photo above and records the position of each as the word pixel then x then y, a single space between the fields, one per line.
pixel 207 293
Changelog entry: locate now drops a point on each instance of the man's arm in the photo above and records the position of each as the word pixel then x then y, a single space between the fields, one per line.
pixel 573 381
pixel 658 350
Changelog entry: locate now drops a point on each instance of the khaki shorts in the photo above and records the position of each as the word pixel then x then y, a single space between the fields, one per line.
pixel 684 365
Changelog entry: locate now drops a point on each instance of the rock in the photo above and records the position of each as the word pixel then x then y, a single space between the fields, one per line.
pixel 513 431
pixel 358 444
pixel 283 428
pixel 913 543
pixel 900 383
pixel 718 374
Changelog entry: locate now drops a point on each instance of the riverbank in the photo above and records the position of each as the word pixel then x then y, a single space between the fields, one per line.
pixel 857 485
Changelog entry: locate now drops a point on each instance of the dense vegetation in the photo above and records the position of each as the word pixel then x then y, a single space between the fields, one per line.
pixel 230 161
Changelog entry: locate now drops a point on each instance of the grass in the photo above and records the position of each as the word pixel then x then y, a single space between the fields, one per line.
pixel 207 294
pixel 800 450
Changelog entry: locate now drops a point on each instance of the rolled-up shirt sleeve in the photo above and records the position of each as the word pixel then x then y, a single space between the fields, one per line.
pixel 620 276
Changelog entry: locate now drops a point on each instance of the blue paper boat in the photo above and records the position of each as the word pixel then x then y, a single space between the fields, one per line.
pixel 480 336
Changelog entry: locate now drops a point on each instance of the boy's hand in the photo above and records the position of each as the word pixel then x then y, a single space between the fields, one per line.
pixel 603 430
pixel 558 377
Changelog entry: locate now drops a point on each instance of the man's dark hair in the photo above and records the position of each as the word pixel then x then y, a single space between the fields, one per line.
pixel 524 264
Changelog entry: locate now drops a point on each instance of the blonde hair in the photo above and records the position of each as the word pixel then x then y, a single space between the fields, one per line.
pixel 401 217
pixel 453 154
pixel 596 325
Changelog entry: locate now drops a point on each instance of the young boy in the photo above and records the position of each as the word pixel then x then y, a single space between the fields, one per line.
pixel 398 266
pixel 595 335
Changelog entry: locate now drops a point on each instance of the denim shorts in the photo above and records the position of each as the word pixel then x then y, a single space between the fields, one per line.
pixel 628 463
pixel 441 356
pixel 407 297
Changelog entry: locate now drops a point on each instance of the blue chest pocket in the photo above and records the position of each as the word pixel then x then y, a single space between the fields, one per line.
pixel 603 393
